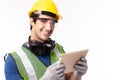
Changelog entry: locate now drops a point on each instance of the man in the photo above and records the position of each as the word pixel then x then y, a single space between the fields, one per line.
pixel 37 59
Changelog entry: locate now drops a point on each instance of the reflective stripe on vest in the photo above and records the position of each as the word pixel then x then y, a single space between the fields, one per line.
pixel 29 68
pixel 57 52
pixel 35 68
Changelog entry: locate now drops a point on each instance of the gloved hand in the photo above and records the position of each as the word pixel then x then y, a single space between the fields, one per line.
pixel 54 72
pixel 81 67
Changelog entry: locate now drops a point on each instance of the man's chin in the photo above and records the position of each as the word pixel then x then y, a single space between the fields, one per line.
pixel 44 39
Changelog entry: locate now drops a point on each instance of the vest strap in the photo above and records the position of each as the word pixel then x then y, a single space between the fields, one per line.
pixel 57 52
pixel 28 66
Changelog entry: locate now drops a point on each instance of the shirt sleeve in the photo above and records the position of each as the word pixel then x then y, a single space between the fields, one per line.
pixel 10 69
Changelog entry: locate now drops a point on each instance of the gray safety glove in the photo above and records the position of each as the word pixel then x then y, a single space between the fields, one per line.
pixel 54 72
pixel 81 67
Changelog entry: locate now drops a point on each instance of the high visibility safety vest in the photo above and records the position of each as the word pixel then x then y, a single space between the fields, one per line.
pixel 29 66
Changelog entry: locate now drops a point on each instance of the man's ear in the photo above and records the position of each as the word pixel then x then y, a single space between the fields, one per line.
pixel 31 21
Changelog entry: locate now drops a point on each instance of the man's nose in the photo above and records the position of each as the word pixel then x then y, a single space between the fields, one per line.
pixel 49 26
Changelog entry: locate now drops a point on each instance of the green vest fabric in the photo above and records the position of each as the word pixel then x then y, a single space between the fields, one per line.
pixel 38 68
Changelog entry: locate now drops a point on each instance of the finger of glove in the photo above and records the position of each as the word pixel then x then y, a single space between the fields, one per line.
pixel 77 67
pixel 82 63
pixel 81 72
pixel 60 66
pixel 81 69
pixel 55 69
pixel 60 71
pixel 59 76
pixel 83 59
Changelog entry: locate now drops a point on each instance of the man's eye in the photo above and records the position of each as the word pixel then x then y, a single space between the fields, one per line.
pixel 43 20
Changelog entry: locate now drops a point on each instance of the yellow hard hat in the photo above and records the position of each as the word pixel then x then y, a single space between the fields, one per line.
pixel 45 5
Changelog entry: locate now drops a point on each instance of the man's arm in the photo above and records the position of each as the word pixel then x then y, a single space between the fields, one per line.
pixel 10 69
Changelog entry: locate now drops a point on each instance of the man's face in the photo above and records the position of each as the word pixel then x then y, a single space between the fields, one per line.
pixel 42 28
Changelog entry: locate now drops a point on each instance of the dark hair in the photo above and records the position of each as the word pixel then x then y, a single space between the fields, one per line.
pixel 36 14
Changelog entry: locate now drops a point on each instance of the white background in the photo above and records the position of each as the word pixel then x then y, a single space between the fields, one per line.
pixel 92 24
